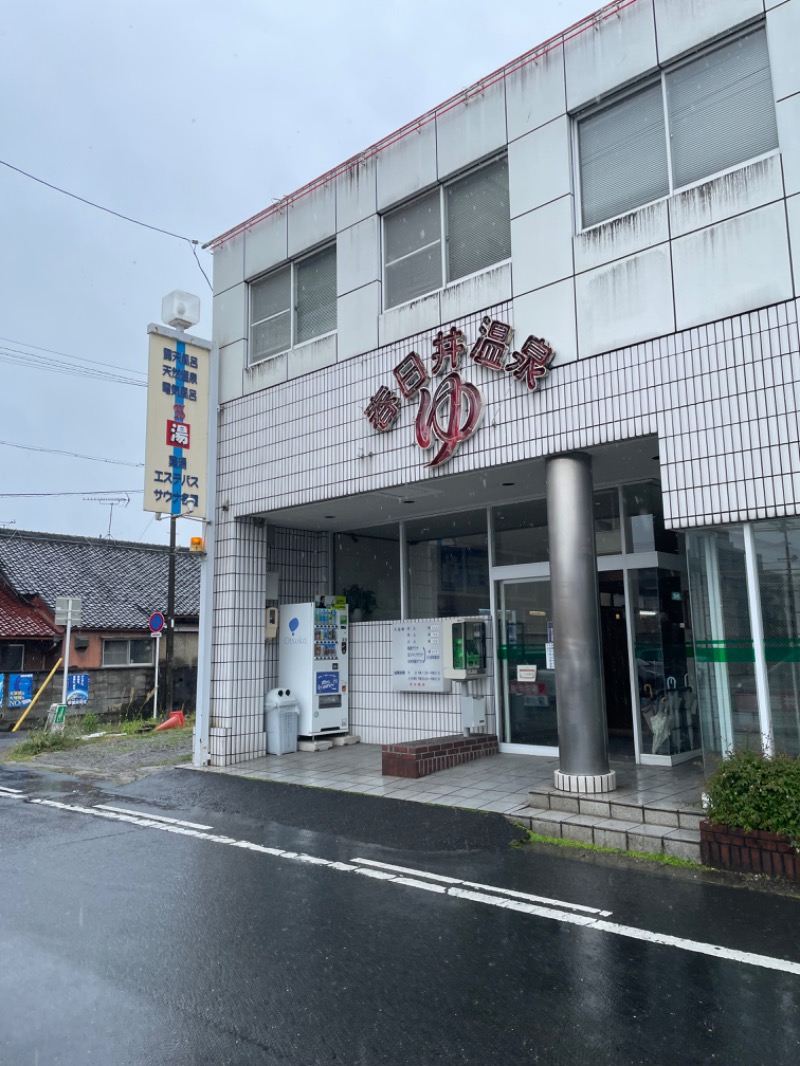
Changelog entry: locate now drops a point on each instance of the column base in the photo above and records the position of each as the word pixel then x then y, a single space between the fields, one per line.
pixel 588 783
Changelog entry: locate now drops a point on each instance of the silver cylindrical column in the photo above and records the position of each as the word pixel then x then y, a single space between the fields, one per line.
pixel 582 730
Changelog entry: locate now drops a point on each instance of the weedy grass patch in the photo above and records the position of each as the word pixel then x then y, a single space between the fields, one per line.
pixel 39 743
pixel 665 860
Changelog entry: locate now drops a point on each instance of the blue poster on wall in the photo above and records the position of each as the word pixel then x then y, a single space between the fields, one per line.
pixel 77 689
pixel 20 690
pixel 2 688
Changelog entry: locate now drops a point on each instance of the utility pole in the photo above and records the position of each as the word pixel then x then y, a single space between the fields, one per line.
pixel 170 648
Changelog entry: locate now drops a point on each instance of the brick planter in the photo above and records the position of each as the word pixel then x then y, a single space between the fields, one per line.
pixel 418 758
pixel 754 852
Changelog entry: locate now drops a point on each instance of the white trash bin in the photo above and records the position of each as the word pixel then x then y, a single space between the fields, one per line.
pixel 281 717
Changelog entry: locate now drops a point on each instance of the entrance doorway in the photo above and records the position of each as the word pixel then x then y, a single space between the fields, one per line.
pixel 525 651
pixel 616 663
pixel 528 674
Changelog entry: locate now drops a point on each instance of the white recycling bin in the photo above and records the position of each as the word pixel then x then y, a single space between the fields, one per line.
pixel 281 715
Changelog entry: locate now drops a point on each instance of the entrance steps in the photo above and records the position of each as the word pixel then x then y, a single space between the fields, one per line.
pixel 614 821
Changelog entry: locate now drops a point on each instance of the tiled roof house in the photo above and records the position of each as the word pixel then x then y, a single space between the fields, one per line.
pixel 120 585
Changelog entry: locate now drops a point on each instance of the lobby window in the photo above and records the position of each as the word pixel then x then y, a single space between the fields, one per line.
pixel 645 531
pixel 698 118
pixel 520 533
pixel 294 304
pixel 368 561
pixel 134 652
pixel 448 565
pixel 458 229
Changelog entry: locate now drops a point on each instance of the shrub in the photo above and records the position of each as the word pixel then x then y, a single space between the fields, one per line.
pixel 752 792
pixel 90 723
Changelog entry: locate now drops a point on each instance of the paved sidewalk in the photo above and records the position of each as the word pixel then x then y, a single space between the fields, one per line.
pixel 500 783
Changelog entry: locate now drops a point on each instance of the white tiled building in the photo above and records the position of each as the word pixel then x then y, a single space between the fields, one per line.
pixel 628 192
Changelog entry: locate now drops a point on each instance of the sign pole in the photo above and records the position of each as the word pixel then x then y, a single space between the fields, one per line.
pixel 156 623
pixel 66 651
pixel 155 691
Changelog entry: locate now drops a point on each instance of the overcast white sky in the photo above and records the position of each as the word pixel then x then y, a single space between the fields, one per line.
pixel 190 115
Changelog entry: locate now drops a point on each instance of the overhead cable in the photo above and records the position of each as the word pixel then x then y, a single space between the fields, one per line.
pixel 61 366
pixel 109 211
pixel 74 455
pixel 66 355
pixel 85 492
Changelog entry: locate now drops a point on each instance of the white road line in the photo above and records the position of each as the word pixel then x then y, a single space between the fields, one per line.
pixel 456 890
pixel 11 791
pixel 152 817
pixel 485 888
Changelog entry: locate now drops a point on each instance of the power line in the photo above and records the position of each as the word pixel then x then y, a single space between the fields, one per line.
pixel 59 366
pixel 66 355
pixel 91 203
pixel 194 253
pixel 85 492
pixel 109 211
pixel 74 455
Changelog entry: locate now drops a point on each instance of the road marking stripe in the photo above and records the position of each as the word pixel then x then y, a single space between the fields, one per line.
pixel 11 791
pixel 152 817
pixel 485 888
pixel 715 951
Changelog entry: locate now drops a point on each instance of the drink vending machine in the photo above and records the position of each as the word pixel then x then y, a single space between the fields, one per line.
pixel 312 663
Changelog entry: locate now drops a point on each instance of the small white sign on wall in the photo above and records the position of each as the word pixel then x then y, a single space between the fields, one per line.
pixel 526 673
pixel 417 660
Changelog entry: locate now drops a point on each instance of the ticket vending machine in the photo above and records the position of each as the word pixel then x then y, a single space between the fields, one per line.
pixel 312 663
pixel 464 647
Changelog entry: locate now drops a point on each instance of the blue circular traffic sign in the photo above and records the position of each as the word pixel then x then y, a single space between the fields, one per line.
pixel 157 622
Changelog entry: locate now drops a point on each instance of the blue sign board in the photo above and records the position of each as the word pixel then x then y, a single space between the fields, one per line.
pixel 327 682
pixel 77 689
pixel 2 687
pixel 20 690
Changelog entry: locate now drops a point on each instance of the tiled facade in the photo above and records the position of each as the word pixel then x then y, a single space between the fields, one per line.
pixel 677 320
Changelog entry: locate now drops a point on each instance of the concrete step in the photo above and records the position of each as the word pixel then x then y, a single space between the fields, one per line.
pixel 617 807
pixel 682 842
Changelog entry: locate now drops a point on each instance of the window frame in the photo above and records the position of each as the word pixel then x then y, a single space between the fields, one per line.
pixel 659 77
pixel 444 234
pixel 291 266
pixel 14 669
pixel 128 664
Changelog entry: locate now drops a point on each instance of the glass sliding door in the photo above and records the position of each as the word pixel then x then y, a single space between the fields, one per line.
pixel 525 646
pixel 664 652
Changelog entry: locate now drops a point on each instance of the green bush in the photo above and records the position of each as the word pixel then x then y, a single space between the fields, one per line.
pixel 751 792
pixel 89 723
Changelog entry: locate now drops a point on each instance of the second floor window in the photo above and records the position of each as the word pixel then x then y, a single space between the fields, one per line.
pixel 457 229
pixel 293 305
pixel 695 120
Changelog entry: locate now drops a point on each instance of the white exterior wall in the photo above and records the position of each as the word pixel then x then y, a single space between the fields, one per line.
pixel 653 268
pixel 678 319
pixel 380 716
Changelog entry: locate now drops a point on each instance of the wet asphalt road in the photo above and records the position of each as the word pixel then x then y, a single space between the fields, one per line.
pixel 124 944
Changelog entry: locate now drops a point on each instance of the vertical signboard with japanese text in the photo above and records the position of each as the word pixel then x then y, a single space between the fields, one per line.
pixel 176 474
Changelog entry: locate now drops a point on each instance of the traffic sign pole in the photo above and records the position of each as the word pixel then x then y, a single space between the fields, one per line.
pixel 157 635
pixel 156 626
